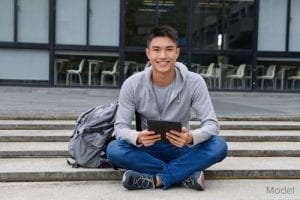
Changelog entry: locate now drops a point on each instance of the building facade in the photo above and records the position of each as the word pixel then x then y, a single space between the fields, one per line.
pixel 245 45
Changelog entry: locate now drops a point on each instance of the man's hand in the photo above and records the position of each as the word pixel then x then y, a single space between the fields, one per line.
pixel 148 138
pixel 180 139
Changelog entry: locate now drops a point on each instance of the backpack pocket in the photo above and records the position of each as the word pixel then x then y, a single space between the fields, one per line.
pixel 87 153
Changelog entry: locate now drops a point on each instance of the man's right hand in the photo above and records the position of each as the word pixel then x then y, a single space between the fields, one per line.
pixel 147 138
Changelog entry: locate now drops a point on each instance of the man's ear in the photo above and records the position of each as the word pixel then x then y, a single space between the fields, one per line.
pixel 177 52
pixel 147 52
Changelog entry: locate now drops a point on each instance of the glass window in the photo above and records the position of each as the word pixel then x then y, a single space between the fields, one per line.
pixel 232 72
pixel 86 68
pixel 133 63
pixel 174 13
pixel 33 21
pixel 295 26
pixel 207 25
pixel 7 20
pixel 104 22
pixel 205 65
pixel 272 25
pixel 71 22
pixel 140 18
pixel 24 64
pixel 238 24
pixel 275 73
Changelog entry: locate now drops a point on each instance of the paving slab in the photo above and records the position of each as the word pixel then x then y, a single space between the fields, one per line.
pixel 252 189
pixel 57 169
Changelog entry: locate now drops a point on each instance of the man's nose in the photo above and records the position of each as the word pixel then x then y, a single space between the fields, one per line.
pixel 162 54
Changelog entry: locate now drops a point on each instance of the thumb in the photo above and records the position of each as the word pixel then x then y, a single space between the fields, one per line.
pixel 184 130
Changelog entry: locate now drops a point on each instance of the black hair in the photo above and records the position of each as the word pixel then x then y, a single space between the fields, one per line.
pixel 162 31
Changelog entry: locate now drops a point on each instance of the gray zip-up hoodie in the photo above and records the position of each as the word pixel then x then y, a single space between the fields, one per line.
pixel 190 92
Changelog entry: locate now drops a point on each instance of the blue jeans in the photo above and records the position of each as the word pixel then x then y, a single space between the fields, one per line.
pixel 170 163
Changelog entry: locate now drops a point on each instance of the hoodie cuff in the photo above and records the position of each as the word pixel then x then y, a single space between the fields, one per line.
pixel 198 137
pixel 132 138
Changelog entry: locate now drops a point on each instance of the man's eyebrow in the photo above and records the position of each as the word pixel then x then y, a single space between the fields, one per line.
pixel 157 47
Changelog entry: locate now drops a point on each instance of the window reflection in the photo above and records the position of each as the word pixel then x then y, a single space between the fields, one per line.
pixel 278 74
pixel 142 15
pixel 83 69
pixel 234 72
pixel 238 24
pixel 235 25
pixel 207 16
pixel 134 63
pixel 140 18
pixel 174 13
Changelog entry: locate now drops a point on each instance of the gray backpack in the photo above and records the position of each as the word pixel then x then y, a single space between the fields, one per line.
pixel 93 130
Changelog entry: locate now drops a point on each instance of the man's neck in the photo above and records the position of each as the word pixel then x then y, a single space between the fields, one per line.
pixel 163 79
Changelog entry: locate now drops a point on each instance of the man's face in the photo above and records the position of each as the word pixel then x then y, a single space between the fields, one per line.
pixel 162 53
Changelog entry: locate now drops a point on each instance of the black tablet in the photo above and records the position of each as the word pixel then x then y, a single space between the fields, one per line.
pixel 161 127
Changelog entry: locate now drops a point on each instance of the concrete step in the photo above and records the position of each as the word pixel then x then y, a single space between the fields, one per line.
pixel 33 149
pixel 261 135
pixel 229 135
pixel 35 135
pixel 36 124
pixel 261 149
pixel 225 125
pixel 250 189
pixel 56 169
pixel 59 149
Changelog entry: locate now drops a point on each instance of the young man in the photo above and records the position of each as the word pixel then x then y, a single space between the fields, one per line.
pixel 165 91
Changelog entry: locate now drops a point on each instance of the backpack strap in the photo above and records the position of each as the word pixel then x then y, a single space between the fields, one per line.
pixel 98 129
pixel 72 163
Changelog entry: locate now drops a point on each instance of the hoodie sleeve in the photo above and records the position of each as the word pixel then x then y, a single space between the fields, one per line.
pixel 205 113
pixel 126 110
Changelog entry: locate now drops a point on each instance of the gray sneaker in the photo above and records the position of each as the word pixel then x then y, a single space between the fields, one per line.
pixel 196 181
pixel 133 180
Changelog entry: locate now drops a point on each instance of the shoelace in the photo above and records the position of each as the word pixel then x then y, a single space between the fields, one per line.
pixel 189 182
pixel 143 182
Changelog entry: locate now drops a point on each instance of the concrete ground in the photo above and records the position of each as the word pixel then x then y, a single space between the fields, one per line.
pixel 61 102
pixel 257 189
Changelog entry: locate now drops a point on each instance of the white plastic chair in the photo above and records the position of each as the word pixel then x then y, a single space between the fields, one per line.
pixel 198 68
pixel 129 67
pixel 96 72
pixel 295 78
pixel 113 73
pixel 78 72
pixel 270 75
pixel 240 74
pixel 209 75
